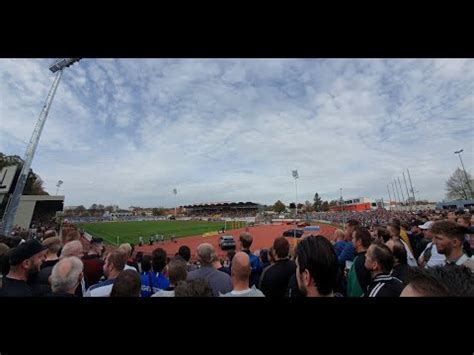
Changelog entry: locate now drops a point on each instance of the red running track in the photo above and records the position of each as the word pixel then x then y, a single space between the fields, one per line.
pixel 263 237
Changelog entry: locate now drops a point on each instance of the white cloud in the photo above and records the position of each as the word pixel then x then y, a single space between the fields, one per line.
pixel 234 129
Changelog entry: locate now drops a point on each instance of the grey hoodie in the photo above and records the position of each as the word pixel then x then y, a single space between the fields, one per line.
pixel 252 292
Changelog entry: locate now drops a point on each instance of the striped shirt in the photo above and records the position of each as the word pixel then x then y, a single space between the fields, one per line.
pixel 384 285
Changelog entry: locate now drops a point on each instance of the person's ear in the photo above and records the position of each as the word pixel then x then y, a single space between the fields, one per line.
pixel 306 278
pixel 25 264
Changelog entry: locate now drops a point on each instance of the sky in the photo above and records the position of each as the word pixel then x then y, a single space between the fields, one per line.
pixel 128 131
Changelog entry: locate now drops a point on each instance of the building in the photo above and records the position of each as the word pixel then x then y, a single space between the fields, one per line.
pixel 237 209
pixel 455 205
pixel 33 208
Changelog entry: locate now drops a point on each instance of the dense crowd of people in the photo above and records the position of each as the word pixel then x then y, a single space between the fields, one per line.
pixel 376 254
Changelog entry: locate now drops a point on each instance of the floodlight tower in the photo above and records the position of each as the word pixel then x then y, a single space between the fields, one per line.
pixel 57 67
pixel 295 176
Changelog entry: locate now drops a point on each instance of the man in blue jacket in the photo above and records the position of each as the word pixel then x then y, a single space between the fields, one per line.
pixel 348 252
pixel 245 243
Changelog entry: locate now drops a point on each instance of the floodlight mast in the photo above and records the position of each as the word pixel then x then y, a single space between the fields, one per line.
pixel 57 67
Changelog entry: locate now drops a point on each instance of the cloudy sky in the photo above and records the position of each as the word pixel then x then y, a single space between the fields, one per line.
pixel 128 131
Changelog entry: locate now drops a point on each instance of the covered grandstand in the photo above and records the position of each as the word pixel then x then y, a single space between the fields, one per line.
pixel 232 209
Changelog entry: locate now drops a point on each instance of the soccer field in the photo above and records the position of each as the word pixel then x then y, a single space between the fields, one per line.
pixel 129 232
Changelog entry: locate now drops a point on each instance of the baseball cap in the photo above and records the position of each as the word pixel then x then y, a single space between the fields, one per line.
pixel 427 225
pixel 96 240
pixel 25 251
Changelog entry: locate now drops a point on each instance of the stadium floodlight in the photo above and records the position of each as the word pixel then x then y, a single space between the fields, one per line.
pixel 295 175
pixel 458 152
pixel 61 63
pixel 57 67
pixel 60 182
pixel 175 191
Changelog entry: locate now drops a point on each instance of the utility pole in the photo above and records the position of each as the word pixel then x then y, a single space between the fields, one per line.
pixel 389 198
pixel 406 187
pixel 398 194
pixel 411 187
pixel 465 174
pixel 401 190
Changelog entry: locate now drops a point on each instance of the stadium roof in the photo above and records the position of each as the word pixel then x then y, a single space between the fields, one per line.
pixel 225 204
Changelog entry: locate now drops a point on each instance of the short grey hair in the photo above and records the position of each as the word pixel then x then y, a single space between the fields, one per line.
pixel 126 248
pixel 206 254
pixel 66 273
pixel 70 248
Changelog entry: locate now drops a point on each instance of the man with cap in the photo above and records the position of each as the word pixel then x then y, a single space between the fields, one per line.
pixel 25 261
pixel 429 256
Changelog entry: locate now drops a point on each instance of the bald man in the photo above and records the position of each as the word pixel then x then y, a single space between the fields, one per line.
pixel 240 274
pixel 66 276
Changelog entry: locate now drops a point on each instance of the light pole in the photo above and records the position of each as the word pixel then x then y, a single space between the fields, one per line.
pixel 411 187
pixel 341 203
pixel 57 67
pixel 175 193
pixel 458 152
pixel 295 175
pixel 60 182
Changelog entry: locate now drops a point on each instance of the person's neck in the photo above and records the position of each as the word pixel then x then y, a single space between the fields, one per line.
pixel 216 264
pixel 454 255
pixel 361 250
pixel 113 274
pixel 313 292
pixel 376 273
pixel 17 275
pixel 51 257
pixel 395 237
pixel 240 285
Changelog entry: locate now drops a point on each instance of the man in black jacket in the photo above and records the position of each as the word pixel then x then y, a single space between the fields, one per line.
pixel 25 261
pixel 275 278
pixel 379 261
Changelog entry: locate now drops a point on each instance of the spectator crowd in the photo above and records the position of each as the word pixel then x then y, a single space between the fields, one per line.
pixel 374 254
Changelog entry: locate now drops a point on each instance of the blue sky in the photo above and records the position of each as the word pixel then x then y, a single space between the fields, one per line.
pixel 128 131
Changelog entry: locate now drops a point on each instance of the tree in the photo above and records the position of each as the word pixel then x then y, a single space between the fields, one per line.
pixel 279 207
pixel 34 184
pixel 325 206
pixel 308 206
pixel 317 202
pixel 93 207
pixel 109 209
pixel 80 210
pixel 333 203
pixel 456 186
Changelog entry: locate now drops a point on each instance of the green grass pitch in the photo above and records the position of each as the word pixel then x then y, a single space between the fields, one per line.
pixel 129 232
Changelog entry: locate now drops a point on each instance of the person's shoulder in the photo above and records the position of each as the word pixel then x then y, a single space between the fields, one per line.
pixel 469 263
pixel 101 284
pixel 194 274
